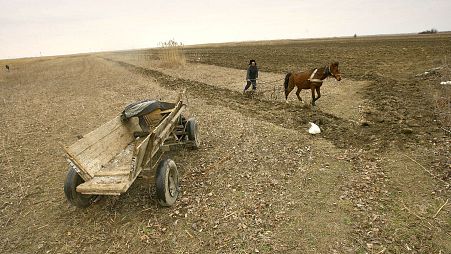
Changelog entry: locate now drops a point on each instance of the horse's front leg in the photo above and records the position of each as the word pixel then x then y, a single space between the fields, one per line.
pixel 318 92
pixel 313 96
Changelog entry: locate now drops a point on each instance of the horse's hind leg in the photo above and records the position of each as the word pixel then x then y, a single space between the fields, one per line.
pixel 318 92
pixel 287 92
pixel 297 94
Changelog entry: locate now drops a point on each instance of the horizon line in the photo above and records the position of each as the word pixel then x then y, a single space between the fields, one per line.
pixel 237 42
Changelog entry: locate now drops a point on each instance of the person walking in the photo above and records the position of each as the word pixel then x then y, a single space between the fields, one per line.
pixel 251 76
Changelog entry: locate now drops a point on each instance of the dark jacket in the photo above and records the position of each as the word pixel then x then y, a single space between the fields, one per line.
pixel 252 72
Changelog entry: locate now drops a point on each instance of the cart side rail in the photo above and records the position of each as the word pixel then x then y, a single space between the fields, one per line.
pixel 149 147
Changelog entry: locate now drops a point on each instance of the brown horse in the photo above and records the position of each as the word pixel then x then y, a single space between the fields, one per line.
pixel 312 79
pixel 7 67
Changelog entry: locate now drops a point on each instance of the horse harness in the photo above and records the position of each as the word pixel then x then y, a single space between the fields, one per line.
pixel 327 72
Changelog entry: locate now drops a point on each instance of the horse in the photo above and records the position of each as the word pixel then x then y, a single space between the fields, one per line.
pixel 312 79
pixel 7 67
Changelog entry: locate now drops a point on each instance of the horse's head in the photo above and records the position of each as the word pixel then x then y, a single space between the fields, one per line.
pixel 334 71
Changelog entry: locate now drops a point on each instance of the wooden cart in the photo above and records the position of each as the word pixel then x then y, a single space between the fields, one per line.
pixel 107 160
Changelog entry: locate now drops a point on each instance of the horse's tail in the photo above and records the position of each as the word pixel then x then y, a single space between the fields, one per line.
pixel 287 78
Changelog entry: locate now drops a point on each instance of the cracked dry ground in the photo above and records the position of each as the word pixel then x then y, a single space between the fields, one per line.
pixel 259 183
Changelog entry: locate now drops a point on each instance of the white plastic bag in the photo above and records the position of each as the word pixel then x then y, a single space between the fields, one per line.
pixel 314 129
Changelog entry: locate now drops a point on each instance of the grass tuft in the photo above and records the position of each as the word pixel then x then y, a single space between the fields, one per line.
pixel 171 54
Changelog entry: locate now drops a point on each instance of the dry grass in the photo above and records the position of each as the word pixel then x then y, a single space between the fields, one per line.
pixel 171 54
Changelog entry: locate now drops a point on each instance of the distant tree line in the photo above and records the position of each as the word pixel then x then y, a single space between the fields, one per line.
pixel 432 31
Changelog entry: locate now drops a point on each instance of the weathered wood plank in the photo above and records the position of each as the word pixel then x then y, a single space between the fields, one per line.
pixel 100 146
pixel 167 111
pixel 103 189
pixel 100 154
pixel 95 135
pixel 138 155
pixel 113 173
pixel 113 126
pixel 103 144
pixel 107 185
pixel 168 127
pixel 123 171
pixel 84 173
pixel 167 119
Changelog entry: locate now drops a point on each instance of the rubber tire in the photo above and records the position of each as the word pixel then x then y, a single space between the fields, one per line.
pixel 193 132
pixel 167 182
pixel 77 199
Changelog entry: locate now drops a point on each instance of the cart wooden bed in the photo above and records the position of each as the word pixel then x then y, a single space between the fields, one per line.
pixel 107 160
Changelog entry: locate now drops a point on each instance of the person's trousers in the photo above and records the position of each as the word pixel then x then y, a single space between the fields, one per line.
pixel 253 82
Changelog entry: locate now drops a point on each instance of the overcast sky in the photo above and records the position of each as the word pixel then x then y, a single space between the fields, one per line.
pixel 51 27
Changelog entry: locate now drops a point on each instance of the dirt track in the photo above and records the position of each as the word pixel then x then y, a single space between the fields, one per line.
pixel 259 183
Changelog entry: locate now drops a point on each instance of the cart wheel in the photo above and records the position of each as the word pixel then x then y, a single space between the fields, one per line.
pixel 75 198
pixel 167 182
pixel 193 132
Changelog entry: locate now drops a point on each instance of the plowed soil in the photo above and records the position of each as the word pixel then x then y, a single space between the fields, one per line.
pixel 376 180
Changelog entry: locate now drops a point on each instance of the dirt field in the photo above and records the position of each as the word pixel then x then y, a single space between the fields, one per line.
pixel 376 180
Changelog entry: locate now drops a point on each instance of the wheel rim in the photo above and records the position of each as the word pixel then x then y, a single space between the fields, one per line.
pixel 172 183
